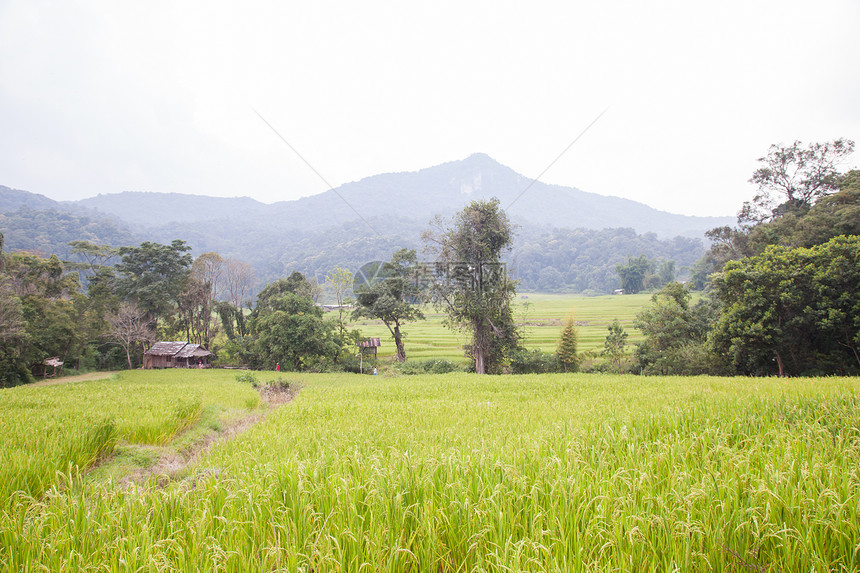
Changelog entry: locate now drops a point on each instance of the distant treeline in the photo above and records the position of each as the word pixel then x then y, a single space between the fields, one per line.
pixel 556 260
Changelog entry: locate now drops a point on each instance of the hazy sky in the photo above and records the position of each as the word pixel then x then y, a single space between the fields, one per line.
pixel 103 97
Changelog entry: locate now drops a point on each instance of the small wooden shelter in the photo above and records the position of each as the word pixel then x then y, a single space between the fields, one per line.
pixel 176 355
pixel 368 346
pixel 55 362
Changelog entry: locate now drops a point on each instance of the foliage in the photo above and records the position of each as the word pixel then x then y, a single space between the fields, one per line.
pixel 153 275
pixel 579 260
pixel 247 377
pixel 675 333
pixel 791 311
pixel 614 344
pixel 52 231
pixel 792 178
pixel 533 361
pixel 289 329
pixel 568 346
pixel 13 337
pixel 474 288
pixel 634 273
pixel 393 298
pixel 432 366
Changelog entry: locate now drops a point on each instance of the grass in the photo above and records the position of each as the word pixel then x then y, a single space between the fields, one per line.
pixel 60 429
pixel 466 473
pixel 541 316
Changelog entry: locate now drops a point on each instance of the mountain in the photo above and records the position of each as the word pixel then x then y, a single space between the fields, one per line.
pixel 567 238
pixel 13 199
pixel 446 188
pixel 147 209
pixel 419 195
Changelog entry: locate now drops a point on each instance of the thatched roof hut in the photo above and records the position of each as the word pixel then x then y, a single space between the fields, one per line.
pixel 176 355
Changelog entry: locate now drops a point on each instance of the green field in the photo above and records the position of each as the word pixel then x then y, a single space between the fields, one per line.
pixel 541 317
pixel 460 473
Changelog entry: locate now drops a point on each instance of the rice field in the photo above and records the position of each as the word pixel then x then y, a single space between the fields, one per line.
pixel 467 473
pixel 52 432
pixel 540 316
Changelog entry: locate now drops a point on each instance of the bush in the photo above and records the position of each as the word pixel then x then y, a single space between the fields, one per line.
pixel 533 362
pixel 432 366
pixel 248 377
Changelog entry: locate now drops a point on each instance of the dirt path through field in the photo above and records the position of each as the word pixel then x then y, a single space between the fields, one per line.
pixel 171 462
pixel 78 378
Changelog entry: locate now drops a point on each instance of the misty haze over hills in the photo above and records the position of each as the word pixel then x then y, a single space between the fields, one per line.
pixel 567 238
pixel 443 189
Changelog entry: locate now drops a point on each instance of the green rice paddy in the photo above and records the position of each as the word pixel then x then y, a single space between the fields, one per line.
pixel 457 473
pixel 541 317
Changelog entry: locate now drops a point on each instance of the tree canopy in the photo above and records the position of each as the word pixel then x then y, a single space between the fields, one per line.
pixel 393 297
pixel 473 286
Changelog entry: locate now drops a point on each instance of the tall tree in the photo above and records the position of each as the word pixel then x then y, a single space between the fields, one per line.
pixel 473 286
pixel 614 344
pixel 238 279
pixel 791 311
pixel 393 297
pixel 633 274
pixel 153 275
pixel 675 333
pixel 131 328
pixel 94 256
pixel 290 330
pixel 338 282
pixel 568 344
pixel 793 177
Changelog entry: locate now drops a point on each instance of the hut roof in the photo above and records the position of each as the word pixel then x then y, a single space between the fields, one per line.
pixel 370 343
pixel 192 351
pixel 177 349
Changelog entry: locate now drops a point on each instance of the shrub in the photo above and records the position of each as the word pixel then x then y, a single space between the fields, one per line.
pixel 533 362
pixel 247 377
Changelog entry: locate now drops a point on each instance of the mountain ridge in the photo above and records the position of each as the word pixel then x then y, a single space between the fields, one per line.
pixel 440 189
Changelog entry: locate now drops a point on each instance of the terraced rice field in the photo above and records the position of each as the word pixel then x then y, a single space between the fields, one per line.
pixel 465 473
pixel 541 317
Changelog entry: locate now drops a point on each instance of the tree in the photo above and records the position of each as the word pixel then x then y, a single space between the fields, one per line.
pixel 238 279
pixel 295 284
pixel 13 369
pixel 613 346
pixel 338 282
pixel 792 178
pixel 194 306
pixel 290 330
pixel 568 346
pixel 472 285
pixel 153 275
pixel 791 311
pixel 392 299
pixel 131 327
pixel 94 256
pixel 196 302
pixel 633 274
pixel 675 333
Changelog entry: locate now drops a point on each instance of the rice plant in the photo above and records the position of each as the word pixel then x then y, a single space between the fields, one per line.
pixel 458 472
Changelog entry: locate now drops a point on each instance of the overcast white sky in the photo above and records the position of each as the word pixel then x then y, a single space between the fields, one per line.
pixel 103 97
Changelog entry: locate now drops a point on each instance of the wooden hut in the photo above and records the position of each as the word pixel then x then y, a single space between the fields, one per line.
pixel 176 355
pixel 369 346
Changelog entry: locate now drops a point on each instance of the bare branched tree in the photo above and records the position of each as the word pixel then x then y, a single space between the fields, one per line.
pixel 238 279
pixel 131 328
